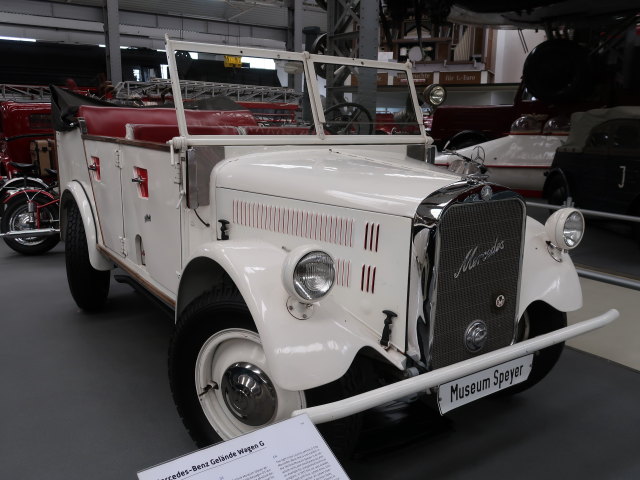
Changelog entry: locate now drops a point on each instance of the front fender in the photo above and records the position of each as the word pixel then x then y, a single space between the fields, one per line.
pixel 73 191
pixel 543 278
pixel 302 354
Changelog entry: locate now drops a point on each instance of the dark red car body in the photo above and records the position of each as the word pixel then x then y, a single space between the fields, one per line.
pixel 467 125
pixel 20 123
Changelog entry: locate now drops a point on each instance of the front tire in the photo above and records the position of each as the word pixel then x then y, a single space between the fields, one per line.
pixel 89 287
pixel 17 217
pixel 538 319
pixel 214 352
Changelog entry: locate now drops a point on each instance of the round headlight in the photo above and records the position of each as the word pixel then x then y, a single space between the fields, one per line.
pixel 573 229
pixel 309 275
pixel 435 94
pixel 565 228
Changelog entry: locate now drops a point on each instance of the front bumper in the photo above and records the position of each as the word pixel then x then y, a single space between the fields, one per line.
pixel 420 383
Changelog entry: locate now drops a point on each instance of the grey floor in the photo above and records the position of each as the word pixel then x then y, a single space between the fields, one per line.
pixel 87 397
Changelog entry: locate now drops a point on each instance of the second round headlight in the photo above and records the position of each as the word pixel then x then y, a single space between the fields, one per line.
pixel 435 94
pixel 573 229
pixel 565 228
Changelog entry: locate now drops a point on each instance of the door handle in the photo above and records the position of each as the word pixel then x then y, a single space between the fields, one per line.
pixel 137 180
pixel 93 167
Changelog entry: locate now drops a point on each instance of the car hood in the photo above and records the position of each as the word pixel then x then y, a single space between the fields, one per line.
pixel 373 180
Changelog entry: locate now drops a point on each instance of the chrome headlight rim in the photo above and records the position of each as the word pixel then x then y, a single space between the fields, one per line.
pixel 435 94
pixel 298 263
pixel 565 228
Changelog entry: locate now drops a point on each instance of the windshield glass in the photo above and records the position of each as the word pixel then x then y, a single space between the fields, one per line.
pixel 360 100
pixel 267 93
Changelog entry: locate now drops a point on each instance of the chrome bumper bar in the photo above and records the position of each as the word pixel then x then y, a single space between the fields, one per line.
pixel 37 232
pixel 420 383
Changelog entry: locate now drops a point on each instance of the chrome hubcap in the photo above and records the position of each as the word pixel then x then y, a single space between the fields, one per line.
pixel 249 394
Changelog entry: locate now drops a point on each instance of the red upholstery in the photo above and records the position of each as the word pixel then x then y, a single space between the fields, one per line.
pixel 111 121
pixel 279 130
pixel 164 133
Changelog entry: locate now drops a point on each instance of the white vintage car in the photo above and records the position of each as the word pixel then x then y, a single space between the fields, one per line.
pixel 520 160
pixel 314 267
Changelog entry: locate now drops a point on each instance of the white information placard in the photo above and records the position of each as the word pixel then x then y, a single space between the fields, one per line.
pixel 289 450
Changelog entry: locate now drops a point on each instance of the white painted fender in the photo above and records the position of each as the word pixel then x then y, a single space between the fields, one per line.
pixel 301 354
pixel 543 278
pixel 97 260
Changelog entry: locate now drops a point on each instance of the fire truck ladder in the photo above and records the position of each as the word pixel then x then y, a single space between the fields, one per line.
pixel 157 89
pixel 24 93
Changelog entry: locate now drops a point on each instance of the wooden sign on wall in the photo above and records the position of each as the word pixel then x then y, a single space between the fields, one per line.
pixel 421 78
pixel 460 77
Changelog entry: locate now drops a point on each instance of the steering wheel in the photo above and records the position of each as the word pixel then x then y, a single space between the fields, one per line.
pixel 343 119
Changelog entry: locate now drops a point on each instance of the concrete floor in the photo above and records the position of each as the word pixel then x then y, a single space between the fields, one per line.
pixel 87 397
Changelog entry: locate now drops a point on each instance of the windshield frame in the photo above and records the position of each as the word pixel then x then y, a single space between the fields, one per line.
pixel 308 61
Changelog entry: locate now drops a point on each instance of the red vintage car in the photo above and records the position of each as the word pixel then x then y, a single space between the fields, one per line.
pixel 20 125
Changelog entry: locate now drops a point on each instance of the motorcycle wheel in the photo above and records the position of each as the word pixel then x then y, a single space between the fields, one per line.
pixel 16 217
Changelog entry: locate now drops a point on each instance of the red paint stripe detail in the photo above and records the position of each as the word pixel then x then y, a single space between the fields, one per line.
pixel 315 226
pixel 348 273
pixel 287 221
pixel 254 215
pixel 362 279
pixel 234 211
pixel 279 222
pixel 351 233
pixel 371 237
pixel 377 236
pixel 524 167
pixel 366 235
pixel 368 276
pixel 373 280
pixel 269 218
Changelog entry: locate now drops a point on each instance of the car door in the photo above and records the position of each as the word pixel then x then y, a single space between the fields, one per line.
pixel 103 162
pixel 151 194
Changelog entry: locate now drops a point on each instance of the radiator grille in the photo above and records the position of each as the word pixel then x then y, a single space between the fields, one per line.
pixel 479 260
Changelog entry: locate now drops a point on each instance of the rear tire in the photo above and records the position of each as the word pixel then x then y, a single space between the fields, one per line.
pixel 17 217
pixel 89 287
pixel 216 334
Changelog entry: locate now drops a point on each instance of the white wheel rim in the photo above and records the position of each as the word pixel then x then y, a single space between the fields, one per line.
pixel 221 351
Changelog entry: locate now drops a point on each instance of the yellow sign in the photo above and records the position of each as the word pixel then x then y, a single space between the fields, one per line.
pixel 232 62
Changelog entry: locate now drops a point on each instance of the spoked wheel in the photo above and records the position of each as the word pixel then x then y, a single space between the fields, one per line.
pixel 17 217
pixel 220 379
pixel 348 119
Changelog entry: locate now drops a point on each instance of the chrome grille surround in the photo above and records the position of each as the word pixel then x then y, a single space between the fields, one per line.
pixel 466 251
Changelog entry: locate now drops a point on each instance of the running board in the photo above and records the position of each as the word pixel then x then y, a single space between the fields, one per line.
pixel 126 279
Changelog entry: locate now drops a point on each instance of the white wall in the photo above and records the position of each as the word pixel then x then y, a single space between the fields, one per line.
pixel 510 54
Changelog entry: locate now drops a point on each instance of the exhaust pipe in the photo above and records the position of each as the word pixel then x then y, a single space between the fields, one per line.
pixel 38 232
